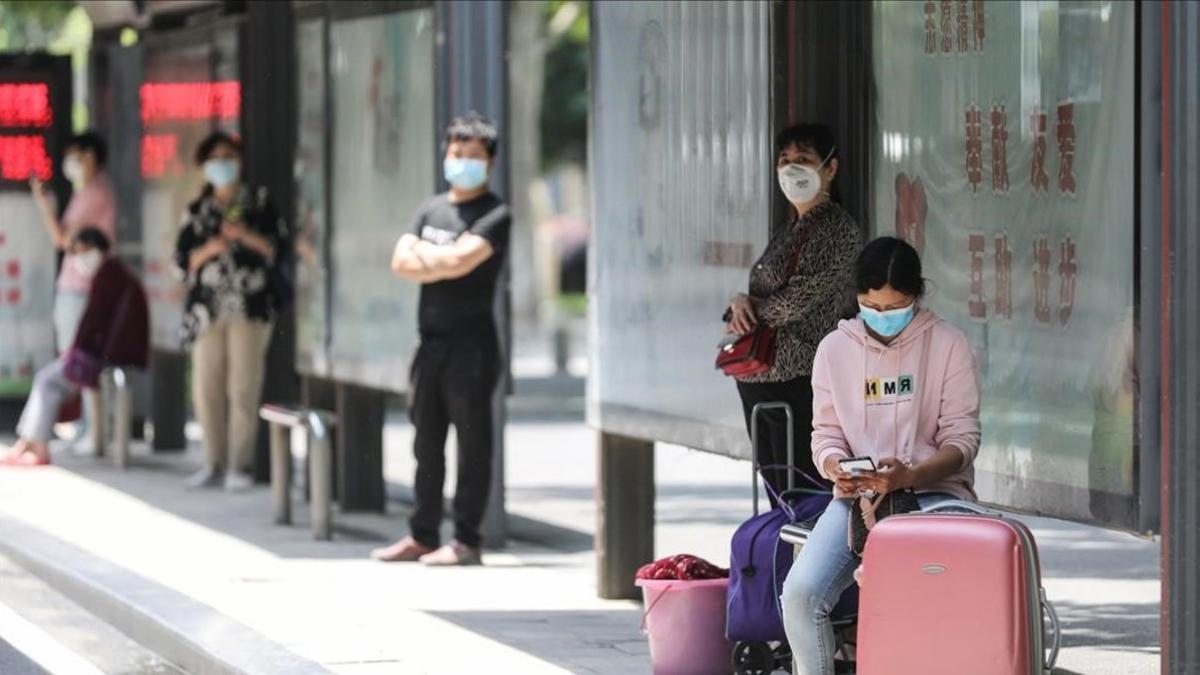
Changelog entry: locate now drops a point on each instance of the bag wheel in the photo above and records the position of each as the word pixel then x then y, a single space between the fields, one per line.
pixel 753 658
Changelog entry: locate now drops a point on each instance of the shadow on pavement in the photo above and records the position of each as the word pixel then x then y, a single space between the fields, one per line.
pixel 614 643
pixel 1128 627
pixel 157 481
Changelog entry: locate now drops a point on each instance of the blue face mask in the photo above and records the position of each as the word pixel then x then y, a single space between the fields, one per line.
pixel 890 323
pixel 465 174
pixel 221 172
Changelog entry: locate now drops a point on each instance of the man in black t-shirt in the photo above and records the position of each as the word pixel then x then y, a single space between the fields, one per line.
pixel 455 249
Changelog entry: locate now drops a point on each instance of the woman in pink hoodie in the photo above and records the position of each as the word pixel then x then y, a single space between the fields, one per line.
pixel 896 384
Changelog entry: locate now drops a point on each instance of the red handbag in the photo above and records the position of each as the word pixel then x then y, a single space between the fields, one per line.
pixel 749 354
pixel 754 352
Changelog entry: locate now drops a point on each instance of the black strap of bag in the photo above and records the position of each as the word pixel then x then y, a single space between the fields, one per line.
pixel 866 512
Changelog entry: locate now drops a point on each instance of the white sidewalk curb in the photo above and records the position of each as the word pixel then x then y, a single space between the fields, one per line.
pixel 181 630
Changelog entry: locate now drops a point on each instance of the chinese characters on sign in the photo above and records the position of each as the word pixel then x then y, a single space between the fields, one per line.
pixel 962 23
pixel 976 243
pixel 1066 148
pixel 1039 179
pixel 974 147
pixel 999 149
pixel 1041 280
pixel 1004 303
pixel 1043 257
pixel 1068 269
pixel 931 32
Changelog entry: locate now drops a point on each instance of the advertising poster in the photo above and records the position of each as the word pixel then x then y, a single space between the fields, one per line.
pixel 682 185
pixel 1005 154
pixel 384 146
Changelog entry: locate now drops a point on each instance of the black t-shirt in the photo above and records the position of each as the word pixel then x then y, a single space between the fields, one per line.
pixel 462 306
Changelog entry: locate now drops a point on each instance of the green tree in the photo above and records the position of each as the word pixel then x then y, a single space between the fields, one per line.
pixel 27 25
pixel 565 97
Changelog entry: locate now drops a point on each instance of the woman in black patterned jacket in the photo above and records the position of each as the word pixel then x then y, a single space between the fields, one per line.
pixel 798 287
pixel 227 250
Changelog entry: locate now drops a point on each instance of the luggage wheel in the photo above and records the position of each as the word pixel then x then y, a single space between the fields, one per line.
pixel 756 658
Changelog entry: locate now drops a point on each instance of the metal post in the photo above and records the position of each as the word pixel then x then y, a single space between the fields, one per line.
pixel 320 479
pixel 1180 361
pixel 268 74
pixel 360 414
pixel 99 425
pixel 168 400
pixel 625 514
pixel 122 417
pixel 473 44
pixel 319 394
pixel 281 472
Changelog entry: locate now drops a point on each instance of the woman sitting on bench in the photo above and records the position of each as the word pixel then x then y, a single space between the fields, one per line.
pixel 113 331
pixel 896 397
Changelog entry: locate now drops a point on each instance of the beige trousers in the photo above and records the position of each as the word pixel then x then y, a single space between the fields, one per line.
pixel 228 361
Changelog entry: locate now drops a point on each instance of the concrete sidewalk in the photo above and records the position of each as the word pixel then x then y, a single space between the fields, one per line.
pixel 207 581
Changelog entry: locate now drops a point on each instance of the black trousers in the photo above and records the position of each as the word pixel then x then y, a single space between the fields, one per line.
pixel 772 428
pixel 453 379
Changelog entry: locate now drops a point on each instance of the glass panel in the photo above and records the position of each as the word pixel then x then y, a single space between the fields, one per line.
pixel 188 90
pixel 384 147
pixel 683 166
pixel 32 132
pixel 312 333
pixel 1005 152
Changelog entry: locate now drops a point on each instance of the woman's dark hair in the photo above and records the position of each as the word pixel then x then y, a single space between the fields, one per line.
pixel 90 141
pixel 815 137
pixel 210 143
pixel 474 127
pixel 92 238
pixel 888 261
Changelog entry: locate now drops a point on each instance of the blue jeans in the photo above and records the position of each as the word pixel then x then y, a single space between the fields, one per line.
pixel 823 570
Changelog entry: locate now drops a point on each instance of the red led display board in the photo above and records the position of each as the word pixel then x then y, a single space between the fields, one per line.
pixel 24 156
pixel 190 101
pixel 26 115
pixel 168 104
pixel 25 105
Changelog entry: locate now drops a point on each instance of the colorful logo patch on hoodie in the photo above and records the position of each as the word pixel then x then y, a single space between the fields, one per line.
pixel 884 390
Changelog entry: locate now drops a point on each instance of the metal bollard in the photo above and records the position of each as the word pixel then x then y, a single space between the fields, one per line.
pixel 122 417
pixel 281 473
pixel 98 429
pixel 320 476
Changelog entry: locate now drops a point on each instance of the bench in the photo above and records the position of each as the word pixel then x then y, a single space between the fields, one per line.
pixel 318 425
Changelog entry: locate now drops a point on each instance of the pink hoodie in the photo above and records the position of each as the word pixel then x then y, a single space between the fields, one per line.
pixel 921 393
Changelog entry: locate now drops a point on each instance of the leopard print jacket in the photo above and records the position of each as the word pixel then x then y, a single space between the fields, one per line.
pixel 805 307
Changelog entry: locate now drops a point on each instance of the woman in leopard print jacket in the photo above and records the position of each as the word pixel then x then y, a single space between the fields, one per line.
pixel 799 287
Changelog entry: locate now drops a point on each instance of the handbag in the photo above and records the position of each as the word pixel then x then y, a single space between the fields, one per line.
pixel 754 352
pixel 865 512
pixel 81 368
pixel 759 562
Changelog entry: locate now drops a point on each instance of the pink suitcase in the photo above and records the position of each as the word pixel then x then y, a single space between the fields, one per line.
pixel 953 594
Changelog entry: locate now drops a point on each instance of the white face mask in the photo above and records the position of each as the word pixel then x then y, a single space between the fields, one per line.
pixel 73 169
pixel 88 263
pixel 801 184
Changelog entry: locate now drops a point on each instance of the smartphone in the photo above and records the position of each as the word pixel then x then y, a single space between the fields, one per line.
pixel 856 466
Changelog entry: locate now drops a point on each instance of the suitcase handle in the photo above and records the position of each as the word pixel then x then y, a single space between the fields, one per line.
pixel 959 505
pixel 1055 630
pixel 791 444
